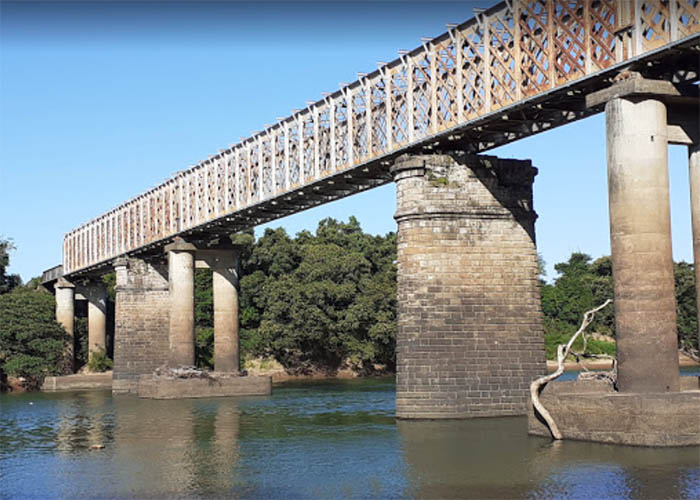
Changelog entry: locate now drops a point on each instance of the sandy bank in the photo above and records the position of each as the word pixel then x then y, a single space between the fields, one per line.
pixel 605 364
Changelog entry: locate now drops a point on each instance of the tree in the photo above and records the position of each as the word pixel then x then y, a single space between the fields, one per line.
pixel 32 343
pixel 686 307
pixel 7 281
pixel 322 299
pixel 312 302
pixel 582 284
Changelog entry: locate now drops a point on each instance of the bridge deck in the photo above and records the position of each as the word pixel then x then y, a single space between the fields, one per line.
pixel 517 69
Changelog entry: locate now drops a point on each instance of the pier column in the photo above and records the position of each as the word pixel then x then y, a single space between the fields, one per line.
pixel 65 313
pixel 181 277
pixel 640 238
pixel 141 322
pixel 225 292
pixel 694 167
pixel 96 294
pixel 470 335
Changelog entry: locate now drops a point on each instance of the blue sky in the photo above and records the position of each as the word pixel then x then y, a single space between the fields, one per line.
pixel 102 100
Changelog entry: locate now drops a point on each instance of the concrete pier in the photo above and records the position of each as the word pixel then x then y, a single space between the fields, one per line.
pixel 640 238
pixel 225 292
pixel 694 168
pixel 648 406
pixel 181 278
pixel 65 312
pixel 96 294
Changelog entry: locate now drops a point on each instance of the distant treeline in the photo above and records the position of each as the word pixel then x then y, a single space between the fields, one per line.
pixel 583 284
pixel 316 302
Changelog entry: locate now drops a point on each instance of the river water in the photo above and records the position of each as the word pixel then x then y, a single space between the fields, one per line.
pixel 328 439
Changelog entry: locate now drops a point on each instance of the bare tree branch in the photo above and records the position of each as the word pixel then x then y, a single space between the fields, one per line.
pixel 539 384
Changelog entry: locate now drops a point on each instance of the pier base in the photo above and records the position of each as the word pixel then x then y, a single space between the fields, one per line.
pixel 590 411
pixel 217 384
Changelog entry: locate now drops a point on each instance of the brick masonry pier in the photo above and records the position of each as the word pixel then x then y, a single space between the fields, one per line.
pixel 141 341
pixel 155 323
pixel 470 335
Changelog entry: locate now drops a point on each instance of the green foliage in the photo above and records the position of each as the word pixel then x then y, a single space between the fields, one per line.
pixel 204 348
pixel 203 302
pixel 32 343
pixel 7 281
pixel 99 361
pixel 110 279
pixel 553 339
pixel 318 300
pixel 80 336
pixel 313 301
pixel 686 306
pixel 33 283
pixel 579 287
pixel 583 285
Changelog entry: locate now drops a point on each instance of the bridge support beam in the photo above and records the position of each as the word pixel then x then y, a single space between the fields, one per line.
pixel 640 239
pixel 96 295
pixel 224 264
pixel 225 292
pixel 470 335
pixel 181 277
pixel 65 313
pixel 141 325
pixel 694 167
pixel 649 406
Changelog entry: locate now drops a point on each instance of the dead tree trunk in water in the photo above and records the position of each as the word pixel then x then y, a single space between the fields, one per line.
pixel 539 384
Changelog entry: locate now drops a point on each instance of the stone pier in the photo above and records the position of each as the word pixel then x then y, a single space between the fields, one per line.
pixel 155 323
pixel 95 292
pixel 470 335
pixel 142 313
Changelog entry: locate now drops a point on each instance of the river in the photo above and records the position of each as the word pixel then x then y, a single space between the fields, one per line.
pixel 320 439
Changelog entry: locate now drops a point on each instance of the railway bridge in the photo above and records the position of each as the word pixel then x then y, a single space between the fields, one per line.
pixel 470 330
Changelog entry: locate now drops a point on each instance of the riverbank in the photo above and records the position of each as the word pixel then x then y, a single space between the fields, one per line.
pixel 273 369
pixel 606 364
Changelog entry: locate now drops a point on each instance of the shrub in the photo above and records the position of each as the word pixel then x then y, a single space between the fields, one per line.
pixel 32 343
pixel 99 361
pixel 204 348
pixel 80 340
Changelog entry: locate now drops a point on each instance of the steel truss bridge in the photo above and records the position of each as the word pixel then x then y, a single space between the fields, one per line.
pixel 516 69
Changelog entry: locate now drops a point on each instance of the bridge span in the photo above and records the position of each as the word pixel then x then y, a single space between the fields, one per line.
pixel 467 256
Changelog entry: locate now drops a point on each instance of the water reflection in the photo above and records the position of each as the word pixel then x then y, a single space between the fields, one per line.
pixel 494 458
pixel 83 422
pixel 318 440
pixel 178 448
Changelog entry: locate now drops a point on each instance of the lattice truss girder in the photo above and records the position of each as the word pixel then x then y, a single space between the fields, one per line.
pixel 515 50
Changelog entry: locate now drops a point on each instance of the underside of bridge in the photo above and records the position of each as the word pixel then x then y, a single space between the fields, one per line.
pixel 470 329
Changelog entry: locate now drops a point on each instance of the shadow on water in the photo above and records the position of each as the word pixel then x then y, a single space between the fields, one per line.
pixel 495 458
pixel 324 439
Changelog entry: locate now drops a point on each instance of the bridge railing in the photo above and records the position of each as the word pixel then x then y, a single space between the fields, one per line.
pixel 510 52
pixel 52 274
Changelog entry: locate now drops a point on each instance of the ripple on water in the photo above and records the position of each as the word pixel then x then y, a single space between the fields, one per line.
pixel 322 439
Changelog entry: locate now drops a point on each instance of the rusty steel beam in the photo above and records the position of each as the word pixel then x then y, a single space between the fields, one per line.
pixel 531 60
